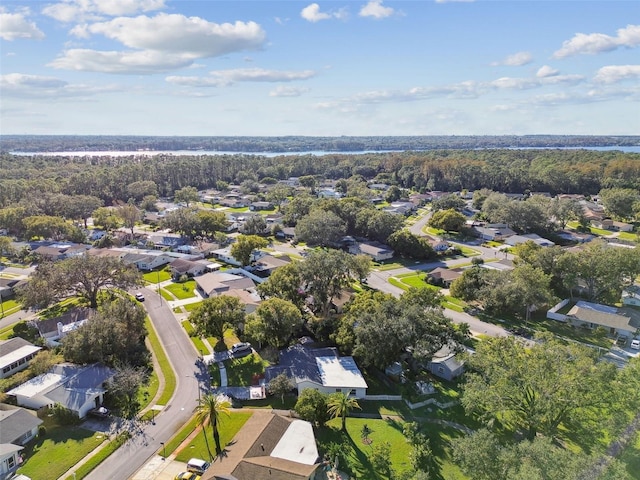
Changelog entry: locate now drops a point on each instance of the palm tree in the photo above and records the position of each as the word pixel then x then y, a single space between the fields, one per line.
pixel 211 408
pixel 339 405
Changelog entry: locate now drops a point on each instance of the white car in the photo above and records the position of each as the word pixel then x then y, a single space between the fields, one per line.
pixel 140 297
pixel 635 344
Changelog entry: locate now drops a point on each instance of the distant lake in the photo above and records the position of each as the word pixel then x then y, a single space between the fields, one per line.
pixel 319 153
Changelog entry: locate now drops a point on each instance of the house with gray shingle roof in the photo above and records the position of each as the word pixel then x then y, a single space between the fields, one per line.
pixel 75 387
pixel 15 355
pixel 17 425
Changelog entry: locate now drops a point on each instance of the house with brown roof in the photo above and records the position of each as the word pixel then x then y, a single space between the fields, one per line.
pixel 190 268
pixel 53 329
pixel 282 449
pixel 444 276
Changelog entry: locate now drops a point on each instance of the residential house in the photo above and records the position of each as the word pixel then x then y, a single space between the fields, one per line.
pixel 445 364
pixel 79 388
pixel 58 251
pixel 189 268
pixel 444 276
pixel 287 233
pixel 15 355
pixel 377 251
pixel 290 182
pixel 321 369
pixel 8 287
pixel 17 425
pixel 282 449
pixel 631 295
pixel 329 193
pixel 224 255
pixel 493 231
pixel 54 329
pixel 257 206
pixel 221 283
pixel 9 459
pixel 401 208
pixel 514 240
pixel 235 200
pixel 593 315
pixel 267 264
pixel 167 240
pixel 439 245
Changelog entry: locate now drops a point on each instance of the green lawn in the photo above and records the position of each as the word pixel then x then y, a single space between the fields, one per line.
pixel 166 295
pixel 6 332
pixel 8 307
pixel 60 308
pixel 100 456
pixel 157 276
pixel 355 456
pixel 241 371
pixel 190 307
pixel 468 252
pixel 197 341
pixel 165 366
pixel 633 237
pixel 59 450
pixel 412 279
pixel 182 290
pixel 229 427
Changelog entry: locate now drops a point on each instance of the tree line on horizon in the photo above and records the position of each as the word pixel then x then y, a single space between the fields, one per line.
pixel 29 178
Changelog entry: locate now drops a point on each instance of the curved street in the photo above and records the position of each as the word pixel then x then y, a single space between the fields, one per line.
pixel 145 443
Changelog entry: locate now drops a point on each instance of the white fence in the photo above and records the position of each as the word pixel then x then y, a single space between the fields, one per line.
pixel 412 406
pixel 553 312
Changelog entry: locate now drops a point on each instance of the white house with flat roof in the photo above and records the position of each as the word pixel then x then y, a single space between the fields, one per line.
pixel 15 355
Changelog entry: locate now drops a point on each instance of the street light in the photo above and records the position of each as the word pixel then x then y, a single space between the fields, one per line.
pixel 163 452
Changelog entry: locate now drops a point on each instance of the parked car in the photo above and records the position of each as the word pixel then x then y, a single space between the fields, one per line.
pixel 187 476
pixel 240 347
pixel 635 344
pixel 100 412
pixel 197 465
pixel 140 297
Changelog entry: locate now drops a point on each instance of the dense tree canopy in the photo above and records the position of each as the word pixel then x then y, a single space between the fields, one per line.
pixel 244 246
pixel 114 335
pixel 83 276
pixel 273 322
pixel 215 314
pixel 535 389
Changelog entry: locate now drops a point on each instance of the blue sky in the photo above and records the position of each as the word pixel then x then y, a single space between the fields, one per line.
pixel 424 67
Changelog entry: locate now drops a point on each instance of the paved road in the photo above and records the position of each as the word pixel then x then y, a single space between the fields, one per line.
pixel 183 356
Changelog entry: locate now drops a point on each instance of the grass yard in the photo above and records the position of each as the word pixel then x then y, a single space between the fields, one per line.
pixel 8 307
pixel 633 237
pixel 197 341
pixel 190 307
pixel 6 332
pixel 356 455
pixel 182 290
pixel 242 371
pixel 413 279
pixel 163 361
pixel 468 252
pixel 60 449
pixel 60 308
pixel 157 276
pixel 229 428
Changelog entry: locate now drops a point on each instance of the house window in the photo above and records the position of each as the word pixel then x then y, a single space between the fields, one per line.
pixel 440 369
pixel 11 462
pixel 338 390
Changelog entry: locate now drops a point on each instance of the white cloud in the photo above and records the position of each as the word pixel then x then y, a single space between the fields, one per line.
pixel 617 73
pixel 140 62
pixel 510 83
pixel 595 43
pixel 313 14
pixel 546 71
pixel 222 78
pixel 174 33
pixel 376 10
pixel 37 86
pixel 16 25
pixel 159 43
pixel 82 10
pixel 287 91
pixel 515 60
